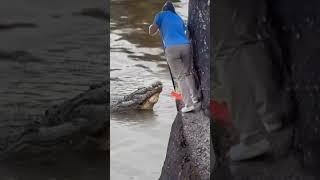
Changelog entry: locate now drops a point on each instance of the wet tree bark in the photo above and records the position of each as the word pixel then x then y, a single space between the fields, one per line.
pixel 297 26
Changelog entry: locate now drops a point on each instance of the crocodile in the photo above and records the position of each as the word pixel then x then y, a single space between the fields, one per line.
pixel 143 98
pixel 78 123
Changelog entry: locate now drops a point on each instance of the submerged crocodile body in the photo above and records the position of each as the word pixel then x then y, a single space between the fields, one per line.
pixel 80 122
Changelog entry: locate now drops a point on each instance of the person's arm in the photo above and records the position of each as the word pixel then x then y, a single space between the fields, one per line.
pixel 153 29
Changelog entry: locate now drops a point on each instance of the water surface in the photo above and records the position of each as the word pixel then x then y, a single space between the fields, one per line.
pixel 50 51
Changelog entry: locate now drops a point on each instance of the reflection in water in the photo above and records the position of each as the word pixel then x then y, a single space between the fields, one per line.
pixel 139 138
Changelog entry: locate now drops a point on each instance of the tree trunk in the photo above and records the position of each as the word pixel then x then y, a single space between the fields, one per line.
pixel 199 27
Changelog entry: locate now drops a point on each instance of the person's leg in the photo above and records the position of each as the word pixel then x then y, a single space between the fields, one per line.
pixel 183 84
pixel 241 100
pixel 173 55
pixel 268 97
pixel 187 60
pixel 243 109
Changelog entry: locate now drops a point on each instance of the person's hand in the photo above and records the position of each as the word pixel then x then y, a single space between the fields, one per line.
pixel 153 29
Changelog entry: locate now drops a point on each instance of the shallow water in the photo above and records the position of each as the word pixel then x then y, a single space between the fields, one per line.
pixel 50 51
pixel 139 139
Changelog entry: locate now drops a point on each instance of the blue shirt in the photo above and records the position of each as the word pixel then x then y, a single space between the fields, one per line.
pixel 172 28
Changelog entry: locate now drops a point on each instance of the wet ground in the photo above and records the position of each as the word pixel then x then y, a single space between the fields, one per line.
pixel 139 139
pixel 50 51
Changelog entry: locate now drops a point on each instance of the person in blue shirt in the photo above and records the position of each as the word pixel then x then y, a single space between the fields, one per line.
pixel 175 37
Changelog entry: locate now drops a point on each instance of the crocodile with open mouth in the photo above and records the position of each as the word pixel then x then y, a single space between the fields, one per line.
pixel 143 98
